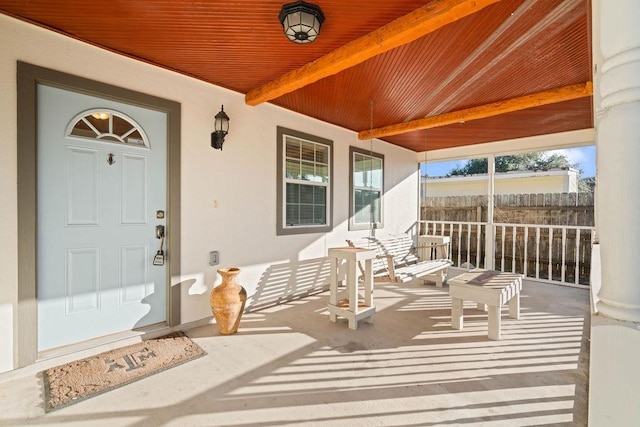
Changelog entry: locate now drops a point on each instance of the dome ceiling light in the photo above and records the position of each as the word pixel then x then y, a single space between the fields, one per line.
pixel 301 21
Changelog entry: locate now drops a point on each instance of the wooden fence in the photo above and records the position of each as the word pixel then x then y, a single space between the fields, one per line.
pixel 545 209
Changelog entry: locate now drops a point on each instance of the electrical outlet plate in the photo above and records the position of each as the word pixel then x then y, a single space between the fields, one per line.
pixel 214 258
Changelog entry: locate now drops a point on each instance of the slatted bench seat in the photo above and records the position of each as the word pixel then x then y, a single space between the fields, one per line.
pixel 397 258
pixel 486 288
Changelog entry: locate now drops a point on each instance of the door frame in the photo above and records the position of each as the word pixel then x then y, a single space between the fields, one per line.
pixel 25 329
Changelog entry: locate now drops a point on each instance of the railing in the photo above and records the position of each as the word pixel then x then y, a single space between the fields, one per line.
pixel 467 239
pixel 548 253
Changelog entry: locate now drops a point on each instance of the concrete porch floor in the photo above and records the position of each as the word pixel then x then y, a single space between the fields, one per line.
pixel 289 365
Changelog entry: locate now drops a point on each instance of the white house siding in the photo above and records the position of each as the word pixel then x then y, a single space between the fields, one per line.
pixel 553 181
pixel 228 197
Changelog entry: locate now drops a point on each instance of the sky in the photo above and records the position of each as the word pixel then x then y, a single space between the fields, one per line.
pixel 584 156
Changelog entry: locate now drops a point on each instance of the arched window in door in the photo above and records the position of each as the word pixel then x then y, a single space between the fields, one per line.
pixel 108 126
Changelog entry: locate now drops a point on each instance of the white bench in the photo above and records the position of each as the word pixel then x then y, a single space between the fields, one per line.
pixel 486 288
pixel 397 258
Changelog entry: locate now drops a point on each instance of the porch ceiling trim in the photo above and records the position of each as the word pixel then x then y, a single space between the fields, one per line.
pixel 552 96
pixel 403 30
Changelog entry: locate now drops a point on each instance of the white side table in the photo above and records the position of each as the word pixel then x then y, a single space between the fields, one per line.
pixel 350 308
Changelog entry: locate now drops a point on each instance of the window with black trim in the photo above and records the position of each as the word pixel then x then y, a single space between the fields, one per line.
pixel 304 194
pixel 366 187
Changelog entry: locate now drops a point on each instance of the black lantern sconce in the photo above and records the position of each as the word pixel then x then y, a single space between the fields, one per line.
pixel 301 21
pixel 221 127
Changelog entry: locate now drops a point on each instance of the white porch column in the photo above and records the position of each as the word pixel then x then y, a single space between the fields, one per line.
pixel 614 375
pixel 618 158
pixel 490 235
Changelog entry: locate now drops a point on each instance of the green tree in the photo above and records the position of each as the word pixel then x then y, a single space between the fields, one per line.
pixel 540 160
pixel 587 185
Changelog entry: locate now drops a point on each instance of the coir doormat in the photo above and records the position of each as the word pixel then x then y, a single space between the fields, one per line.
pixel 75 381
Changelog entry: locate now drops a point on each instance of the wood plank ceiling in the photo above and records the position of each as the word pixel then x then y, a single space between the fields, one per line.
pixel 507 50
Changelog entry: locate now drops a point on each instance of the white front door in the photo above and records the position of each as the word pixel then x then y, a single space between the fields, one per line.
pixel 101 194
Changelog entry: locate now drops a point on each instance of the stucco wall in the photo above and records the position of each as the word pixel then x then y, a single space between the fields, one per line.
pixel 228 197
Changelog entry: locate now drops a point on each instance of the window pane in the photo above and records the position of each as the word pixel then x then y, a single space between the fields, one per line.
pixel 322 173
pixel 320 215
pixel 306 194
pixel 308 172
pixel 82 129
pixel 120 126
pixel 360 162
pixel 376 176
pixel 322 154
pixel 293 148
pixel 364 202
pixel 293 193
pixel 292 215
pixel 376 173
pixel 135 138
pixel 358 179
pixel 362 211
pixel 362 171
pixel 375 200
pixel 100 123
pixel 293 169
pixel 306 214
pixel 367 171
pixel 320 196
pixel 308 151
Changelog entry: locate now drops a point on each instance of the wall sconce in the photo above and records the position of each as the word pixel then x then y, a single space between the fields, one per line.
pixel 221 127
pixel 301 21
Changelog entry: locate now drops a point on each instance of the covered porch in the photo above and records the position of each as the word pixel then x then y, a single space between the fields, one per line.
pixel 289 365
pixel 289 361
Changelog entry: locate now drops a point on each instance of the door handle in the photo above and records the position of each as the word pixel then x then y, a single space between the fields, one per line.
pixel 158 259
pixel 159 231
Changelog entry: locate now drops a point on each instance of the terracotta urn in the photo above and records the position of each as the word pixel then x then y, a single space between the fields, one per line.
pixel 227 301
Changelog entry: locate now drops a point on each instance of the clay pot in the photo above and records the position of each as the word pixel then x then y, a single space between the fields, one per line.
pixel 227 301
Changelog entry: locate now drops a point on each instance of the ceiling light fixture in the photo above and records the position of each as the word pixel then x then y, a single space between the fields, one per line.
pixel 100 116
pixel 301 21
